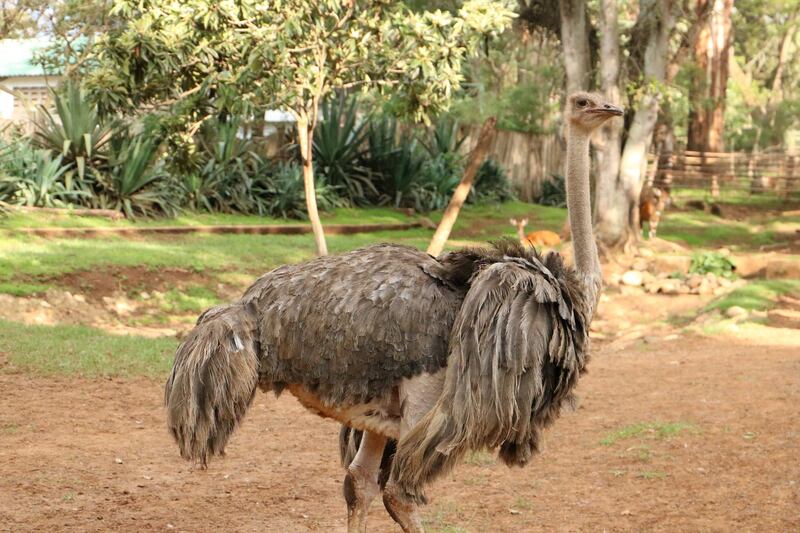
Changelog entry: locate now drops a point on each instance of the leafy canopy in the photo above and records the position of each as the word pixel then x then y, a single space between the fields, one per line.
pixel 198 58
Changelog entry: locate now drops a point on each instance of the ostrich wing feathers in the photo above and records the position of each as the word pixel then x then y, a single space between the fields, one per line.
pixel 517 348
pixel 350 327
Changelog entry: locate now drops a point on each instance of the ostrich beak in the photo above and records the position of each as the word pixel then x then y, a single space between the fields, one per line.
pixel 609 109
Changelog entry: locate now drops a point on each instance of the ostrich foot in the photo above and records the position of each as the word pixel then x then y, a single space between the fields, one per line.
pixel 361 482
pixel 402 510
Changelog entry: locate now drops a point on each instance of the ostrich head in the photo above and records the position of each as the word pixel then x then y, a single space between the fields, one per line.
pixel 588 111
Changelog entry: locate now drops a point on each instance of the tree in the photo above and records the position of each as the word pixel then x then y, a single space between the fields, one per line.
pixel 202 58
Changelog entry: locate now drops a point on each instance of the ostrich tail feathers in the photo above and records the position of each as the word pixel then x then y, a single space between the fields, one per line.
pixel 517 348
pixel 213 381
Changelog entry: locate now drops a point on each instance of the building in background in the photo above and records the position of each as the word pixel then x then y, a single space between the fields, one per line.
pixel 23 84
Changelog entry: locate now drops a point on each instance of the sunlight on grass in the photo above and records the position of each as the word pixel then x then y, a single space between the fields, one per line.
pixel 192 300
pixel 650 430
pixel 84 351
pixel 757 295
pixel 19 288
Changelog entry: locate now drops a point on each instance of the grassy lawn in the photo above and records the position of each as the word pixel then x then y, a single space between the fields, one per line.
pixel 758 295
pixel 84 351
pixel 25 260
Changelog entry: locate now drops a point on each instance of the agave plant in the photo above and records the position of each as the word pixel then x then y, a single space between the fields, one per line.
pixel 444 139
pixel 75 132
pixel 40 183
pixel 338 149
pixel 280 193
pixel 137 183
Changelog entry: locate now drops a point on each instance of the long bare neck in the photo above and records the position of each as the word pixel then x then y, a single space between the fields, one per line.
pixel 584 248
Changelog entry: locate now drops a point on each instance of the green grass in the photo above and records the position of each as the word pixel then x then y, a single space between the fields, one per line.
pixel 651 430
pixel 703 230
pixel 20 288
pixel 370 215
pixel 84 351
pixel 24 258
pixel 758 295
pixel 193 300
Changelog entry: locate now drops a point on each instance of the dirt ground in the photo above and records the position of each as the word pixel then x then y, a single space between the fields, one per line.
pixel 82 455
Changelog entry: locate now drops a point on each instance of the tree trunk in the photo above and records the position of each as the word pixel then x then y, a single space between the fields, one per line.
pixel 619 229
pixel 709 84
pixel 305 136
pixel 608 140
pixel 476 157
pixel 575 43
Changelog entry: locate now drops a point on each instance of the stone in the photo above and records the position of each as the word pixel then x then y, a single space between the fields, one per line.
pixel 640 264
pixel 671 287
pixel 781 268
pixel 724 282
pixel 144 296
pixel 783 318
pixel 671 263
pixel 751 266
pixel 632 278
pixel 646 252
pixel 694 281
pixel 736 312
pixel 79 298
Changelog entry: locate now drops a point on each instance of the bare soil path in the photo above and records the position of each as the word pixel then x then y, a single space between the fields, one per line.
pixel 692 434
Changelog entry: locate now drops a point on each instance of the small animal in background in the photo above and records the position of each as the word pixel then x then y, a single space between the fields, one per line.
pixel 534 238
pixel 652 204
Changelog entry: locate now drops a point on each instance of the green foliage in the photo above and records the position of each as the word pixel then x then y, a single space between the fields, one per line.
pixel 491 183
pixel 40 182
pixel 713 262
pixel 554 192
pixel 136 183
pixel 76 132
pixel 338 153
pixel 281 193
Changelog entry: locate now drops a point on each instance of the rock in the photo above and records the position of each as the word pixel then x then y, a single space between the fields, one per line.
pixel 724 251
pixel 646 252
pixel 780 268
pixel 710 276
pixel 724 282
pixel 783 318
pixel 632 278
pixel 705 288
pixel 144 296
pixel 751 266
pixel 640 264
pixel 671 287
pixel 719 291
pixel 736 312
pixel 694 281
pixel 683 289
pixel 79 298
pixel 123 307
pixel 671 263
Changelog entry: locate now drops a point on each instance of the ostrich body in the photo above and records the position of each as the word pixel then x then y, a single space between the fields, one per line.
pixel 534 238
pixel 421 358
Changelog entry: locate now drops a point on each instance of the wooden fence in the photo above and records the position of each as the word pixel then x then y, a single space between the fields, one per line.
pixel 528 159
pixel 721 172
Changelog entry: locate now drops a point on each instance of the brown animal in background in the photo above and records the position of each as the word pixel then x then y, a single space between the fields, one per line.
pixel 651 206
pixel 422 358
pixel 534 238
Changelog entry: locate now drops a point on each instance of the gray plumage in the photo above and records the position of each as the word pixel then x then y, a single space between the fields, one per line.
pixel 509 326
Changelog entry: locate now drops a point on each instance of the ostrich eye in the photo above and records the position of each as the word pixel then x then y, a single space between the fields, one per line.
pixel 583 103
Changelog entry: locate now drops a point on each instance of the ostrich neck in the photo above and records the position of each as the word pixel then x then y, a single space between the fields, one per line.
pixel 584 248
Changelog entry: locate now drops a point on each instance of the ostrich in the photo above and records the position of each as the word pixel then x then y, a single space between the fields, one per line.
pixel 534 238
pixel 478 348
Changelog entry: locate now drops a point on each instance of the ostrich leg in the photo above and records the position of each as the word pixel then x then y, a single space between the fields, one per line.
pixel 417 397
pixel 361 482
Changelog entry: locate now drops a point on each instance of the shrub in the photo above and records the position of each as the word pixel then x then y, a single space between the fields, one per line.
pixel 136 182
pixel 554 192
pixel 491 183
pixel 281 194
pixel 338 150
pixel 76 132
pixel 713 262
pixel 40 182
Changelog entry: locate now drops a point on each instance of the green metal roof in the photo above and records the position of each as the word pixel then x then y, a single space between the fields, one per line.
pixel 16 57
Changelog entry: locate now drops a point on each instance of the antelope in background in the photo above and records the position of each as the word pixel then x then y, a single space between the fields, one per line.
pixel 534 238
pixel 651 206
